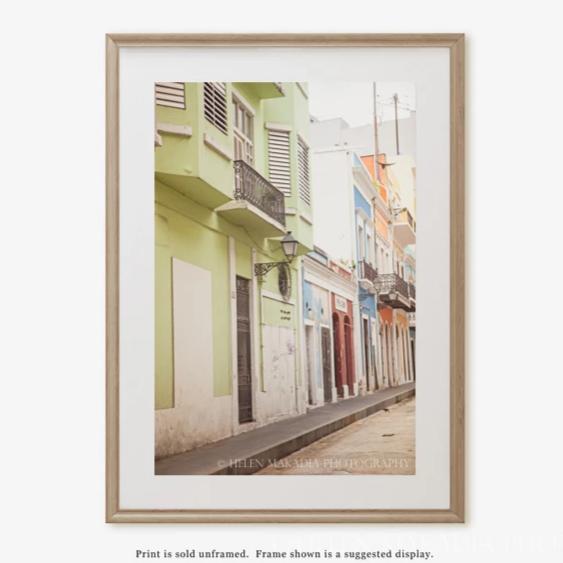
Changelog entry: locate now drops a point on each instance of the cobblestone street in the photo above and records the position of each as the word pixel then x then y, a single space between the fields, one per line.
pixel 383 443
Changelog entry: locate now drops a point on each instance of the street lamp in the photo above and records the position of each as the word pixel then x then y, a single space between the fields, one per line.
pixel 289 247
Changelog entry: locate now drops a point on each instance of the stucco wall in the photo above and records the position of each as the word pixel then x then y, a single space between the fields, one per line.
pixel 332 186
pixel 198 415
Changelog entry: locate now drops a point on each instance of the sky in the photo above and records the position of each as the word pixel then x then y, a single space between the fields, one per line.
pixel 353 101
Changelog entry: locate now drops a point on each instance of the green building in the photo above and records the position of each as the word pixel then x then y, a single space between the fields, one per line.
pixel 232 178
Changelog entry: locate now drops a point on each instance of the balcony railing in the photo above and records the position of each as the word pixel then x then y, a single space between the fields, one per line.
pixel 392 283
pixel 254 188
pixel 367 271
pixel 396 292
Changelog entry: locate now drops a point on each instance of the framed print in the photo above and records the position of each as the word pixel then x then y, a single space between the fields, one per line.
pixel 285 278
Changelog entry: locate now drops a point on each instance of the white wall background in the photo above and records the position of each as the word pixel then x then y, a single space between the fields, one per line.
pixel 52 309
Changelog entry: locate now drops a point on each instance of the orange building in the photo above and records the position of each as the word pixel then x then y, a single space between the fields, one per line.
pixel 396 302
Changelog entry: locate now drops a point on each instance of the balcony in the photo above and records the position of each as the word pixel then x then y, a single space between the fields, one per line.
pixel 404 228
pixel 257 205
pixel 367 274
pixel 393 290
pixel 264 90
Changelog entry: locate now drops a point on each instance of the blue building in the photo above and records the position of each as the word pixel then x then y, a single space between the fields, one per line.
pixel 366 272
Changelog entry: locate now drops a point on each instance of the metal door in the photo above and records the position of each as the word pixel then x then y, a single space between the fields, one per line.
pixel 243 351
pixel 327 371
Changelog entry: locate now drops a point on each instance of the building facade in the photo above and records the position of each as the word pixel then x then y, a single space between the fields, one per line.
pixel 396 238
pixel 366 272
pixel 246 336
pixel 376 236
pixel 231 178
pixel 329 301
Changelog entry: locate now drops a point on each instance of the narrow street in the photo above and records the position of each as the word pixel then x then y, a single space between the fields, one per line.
pixel 383 443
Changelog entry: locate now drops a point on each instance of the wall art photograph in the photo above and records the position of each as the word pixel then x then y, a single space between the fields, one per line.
pixel 285 278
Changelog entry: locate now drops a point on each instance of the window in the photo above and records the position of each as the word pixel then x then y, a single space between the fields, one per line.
pixel 279 169
pixel 244 132
pixel 215 104
pixel 368 248
pixel 304 180
pixel 361 250
pixel 170 94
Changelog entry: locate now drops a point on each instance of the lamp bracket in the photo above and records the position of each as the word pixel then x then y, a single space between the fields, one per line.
pixel 261 269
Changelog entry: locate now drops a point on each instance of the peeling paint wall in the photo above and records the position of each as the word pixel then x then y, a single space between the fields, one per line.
pixel 278 400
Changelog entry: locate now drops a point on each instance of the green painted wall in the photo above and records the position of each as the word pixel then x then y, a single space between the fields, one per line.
pixel 190 232
pixel 293 110
pixel 187 227
pixel 243 254
pixel 163 316
pixel 180 155
pixel 192 242
pixel 276 313
pixel 180 159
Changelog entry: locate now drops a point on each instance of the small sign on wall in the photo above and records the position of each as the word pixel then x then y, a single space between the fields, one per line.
pixel 277 313
pixel 340 303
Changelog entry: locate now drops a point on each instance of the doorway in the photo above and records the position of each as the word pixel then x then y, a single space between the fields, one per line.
pixel 337 338
pixel 309 347
pixel 413 355
pixel 244 354
pixel 348 350
pixel 365 330
pixel 327 368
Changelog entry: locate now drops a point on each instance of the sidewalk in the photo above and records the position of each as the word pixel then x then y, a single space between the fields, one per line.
pixel 251 451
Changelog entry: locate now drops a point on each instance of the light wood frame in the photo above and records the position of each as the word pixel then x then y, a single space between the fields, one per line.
pixel 455 44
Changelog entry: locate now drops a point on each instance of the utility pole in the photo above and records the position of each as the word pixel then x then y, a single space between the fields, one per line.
pixel 375 132
pixel 377 344
pixel 396 101
pixel 376 171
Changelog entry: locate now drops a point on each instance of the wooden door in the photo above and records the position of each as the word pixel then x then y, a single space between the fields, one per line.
pixel 348 350
pixel 366 352
pixel 338 367
pixel 327 368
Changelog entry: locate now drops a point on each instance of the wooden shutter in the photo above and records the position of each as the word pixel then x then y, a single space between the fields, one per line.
pixel 215 104
pixel 279 169
pixel 170 94
pixel 304 177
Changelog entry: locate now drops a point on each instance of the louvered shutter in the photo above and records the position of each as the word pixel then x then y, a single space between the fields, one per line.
pixel 279 169
pixel 170 94
pixel 215 104
pixel 304 179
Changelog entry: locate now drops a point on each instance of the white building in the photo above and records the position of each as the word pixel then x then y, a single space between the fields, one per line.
pixel 344 227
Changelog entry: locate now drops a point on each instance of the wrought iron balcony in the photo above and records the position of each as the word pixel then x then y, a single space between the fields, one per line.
pixel 393 290
pixel 255 189
pixel 367 271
